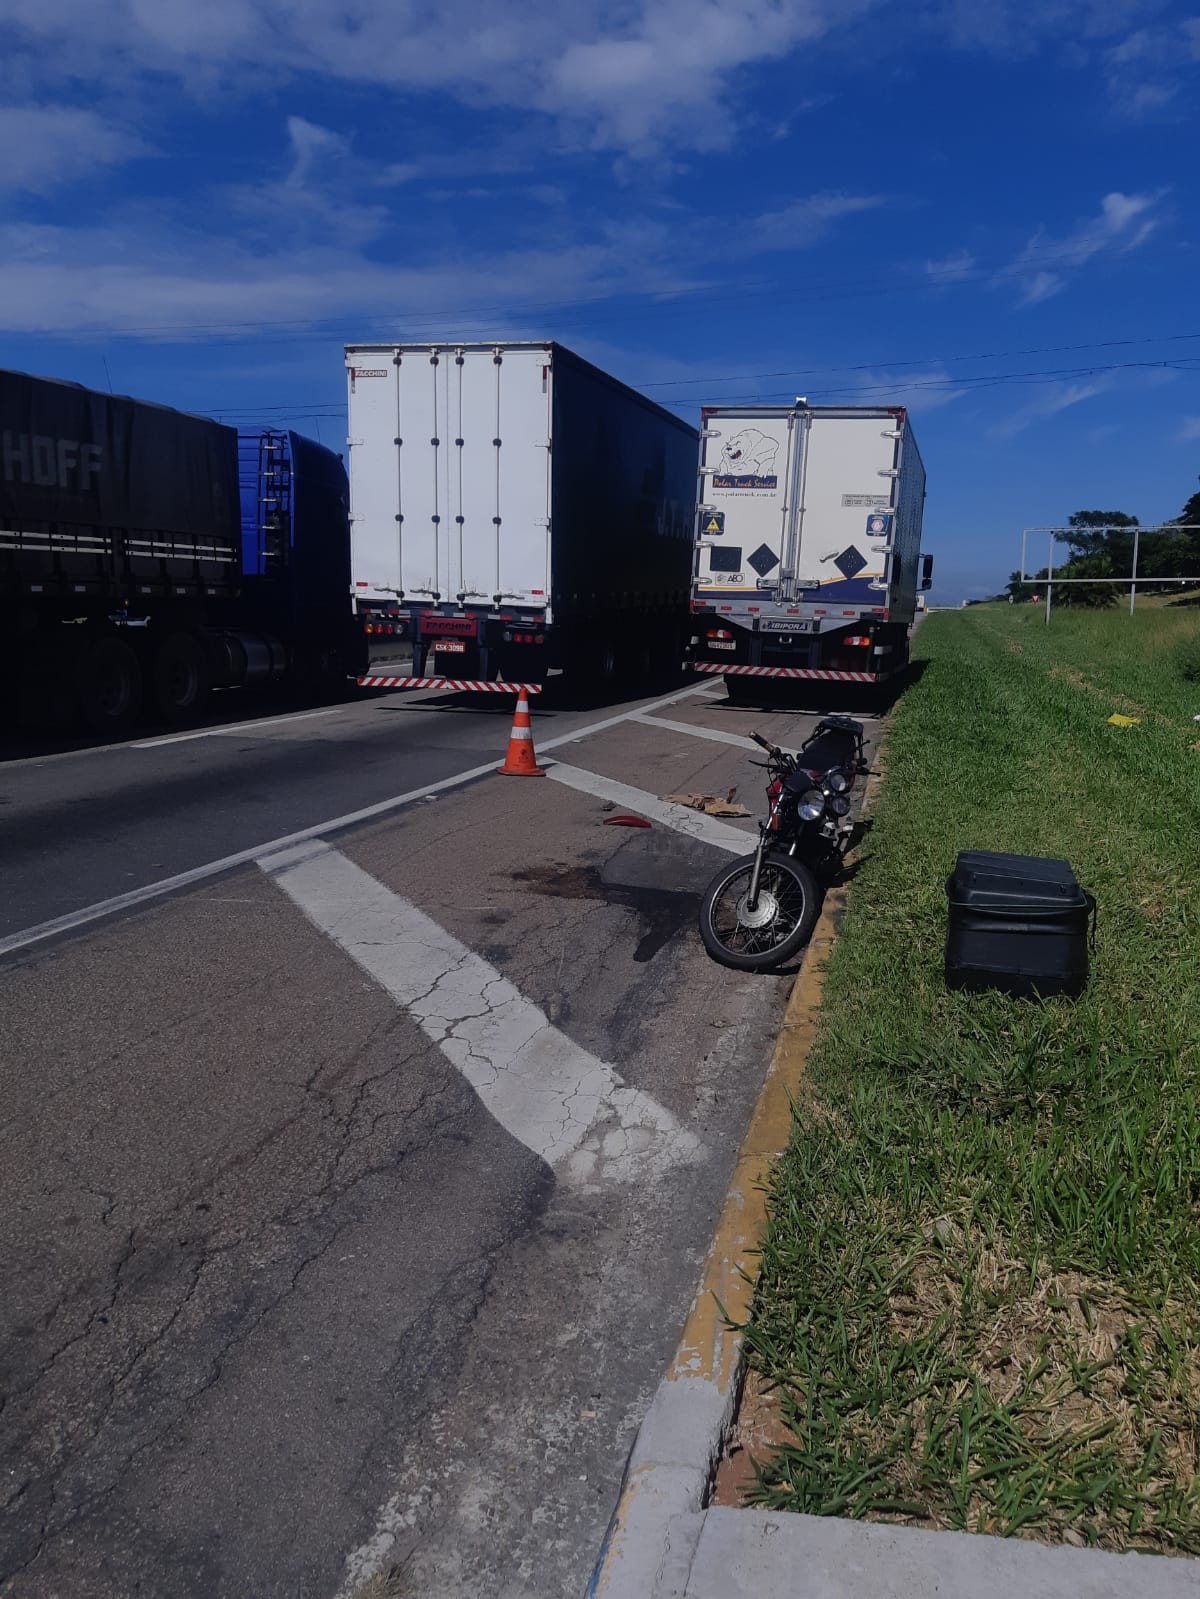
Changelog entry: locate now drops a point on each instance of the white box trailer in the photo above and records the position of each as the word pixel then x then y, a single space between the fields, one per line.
pixel 512 508
pixel 808 540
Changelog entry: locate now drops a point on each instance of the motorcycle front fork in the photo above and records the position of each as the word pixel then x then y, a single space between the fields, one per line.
pixel 756 870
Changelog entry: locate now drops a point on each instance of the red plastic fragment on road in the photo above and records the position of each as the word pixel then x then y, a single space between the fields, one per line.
pixel 626 821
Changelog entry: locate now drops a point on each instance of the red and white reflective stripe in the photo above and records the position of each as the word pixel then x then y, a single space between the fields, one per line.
pixel 460 685
pixel 719 669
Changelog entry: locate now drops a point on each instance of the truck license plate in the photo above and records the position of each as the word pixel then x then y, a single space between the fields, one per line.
pixel 722 644
pixel 453 646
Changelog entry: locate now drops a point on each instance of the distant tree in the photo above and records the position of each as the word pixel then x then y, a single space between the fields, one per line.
pixel 1190 516
pixel 1087 595
pixel 1092 533
pixel 1167 555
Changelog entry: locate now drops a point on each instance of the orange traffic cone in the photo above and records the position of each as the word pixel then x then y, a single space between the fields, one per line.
pixel 519 758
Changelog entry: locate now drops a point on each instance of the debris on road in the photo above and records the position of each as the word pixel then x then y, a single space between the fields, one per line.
pixel 708 803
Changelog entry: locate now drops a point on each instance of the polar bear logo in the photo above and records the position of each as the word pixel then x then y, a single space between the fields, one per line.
pixel 749 453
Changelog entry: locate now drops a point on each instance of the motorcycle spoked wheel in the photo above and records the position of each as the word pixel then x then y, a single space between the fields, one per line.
pixel 789 900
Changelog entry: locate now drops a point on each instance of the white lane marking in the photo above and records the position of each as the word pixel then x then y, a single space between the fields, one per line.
pixel 198 874
pixel 706 828
pixel 235 727
pixel 616 721
pixel 562 1103
pixel 242 857
pixel 716 734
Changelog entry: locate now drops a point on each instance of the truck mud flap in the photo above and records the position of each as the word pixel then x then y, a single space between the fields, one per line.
pixel 719 669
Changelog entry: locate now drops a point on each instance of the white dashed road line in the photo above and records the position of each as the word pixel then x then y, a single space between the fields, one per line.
pixel 227 728
pixel 562 1103
pixel 716 735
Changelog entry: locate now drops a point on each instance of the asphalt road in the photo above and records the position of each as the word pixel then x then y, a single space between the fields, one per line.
pixel 356 1188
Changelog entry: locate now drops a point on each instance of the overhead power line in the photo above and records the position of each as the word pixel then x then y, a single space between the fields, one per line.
pixel 972 381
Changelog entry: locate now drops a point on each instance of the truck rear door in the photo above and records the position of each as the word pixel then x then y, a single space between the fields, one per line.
pixel 845 491
pixel 449 473
pixel 375 535
pixel 489 477
pixel 747 461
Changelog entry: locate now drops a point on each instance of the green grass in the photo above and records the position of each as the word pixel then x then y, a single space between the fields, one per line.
pixel 980 1294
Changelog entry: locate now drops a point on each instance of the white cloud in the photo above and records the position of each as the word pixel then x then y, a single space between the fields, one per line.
pixel 633 75
pixel 304 244
pixel 667 68
pixel 1145 68
pixel 624 74
pixel 919 391
pixel 1042 286
pixel 954 268
pixel 1124 222
pixel 157 274
pixel 803 222
pixel 1141 99
pixel 1057 397
pixel 48 145
pixel 1189 429
pixel 1013 27
pixel 312 147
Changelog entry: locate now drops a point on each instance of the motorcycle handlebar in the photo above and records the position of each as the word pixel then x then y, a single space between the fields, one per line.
pixel 762 742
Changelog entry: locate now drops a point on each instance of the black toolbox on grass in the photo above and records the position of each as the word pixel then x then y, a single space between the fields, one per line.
pixel 1018 924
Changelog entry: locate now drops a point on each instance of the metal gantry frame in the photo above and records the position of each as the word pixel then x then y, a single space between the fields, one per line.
pixel 1063 534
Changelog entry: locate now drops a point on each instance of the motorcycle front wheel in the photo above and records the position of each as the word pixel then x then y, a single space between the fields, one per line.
pixel 780 923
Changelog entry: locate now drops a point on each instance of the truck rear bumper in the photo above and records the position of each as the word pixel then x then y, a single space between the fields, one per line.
pixel 461 685
pixel 719 669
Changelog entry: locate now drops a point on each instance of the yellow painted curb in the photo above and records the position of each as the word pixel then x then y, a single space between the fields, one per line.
pixel 646 1550
pixel 709 1348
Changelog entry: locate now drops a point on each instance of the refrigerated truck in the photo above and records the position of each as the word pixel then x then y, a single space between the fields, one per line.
pixel 807 543
pixel 514 508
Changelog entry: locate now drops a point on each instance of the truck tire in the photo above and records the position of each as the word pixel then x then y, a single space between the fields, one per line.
pixel 591 664
pixel 109 686
pixel 180 678
pixel 743 690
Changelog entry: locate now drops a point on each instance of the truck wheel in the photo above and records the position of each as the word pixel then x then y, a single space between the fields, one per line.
pixel 743 690
pixel 180 678
pixel 110 686
pixel 591 664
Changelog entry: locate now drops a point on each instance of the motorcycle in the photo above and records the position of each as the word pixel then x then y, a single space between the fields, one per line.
pixel 758 911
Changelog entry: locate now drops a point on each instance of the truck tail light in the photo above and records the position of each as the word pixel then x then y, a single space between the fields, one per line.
pixel 718 632
pixel 860 641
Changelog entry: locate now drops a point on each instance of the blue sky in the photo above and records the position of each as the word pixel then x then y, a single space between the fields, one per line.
pixel 984 210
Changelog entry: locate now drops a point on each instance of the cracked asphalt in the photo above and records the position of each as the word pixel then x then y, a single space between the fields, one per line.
pixel 285 1303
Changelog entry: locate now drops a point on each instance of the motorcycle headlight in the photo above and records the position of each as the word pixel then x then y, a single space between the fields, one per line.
pixel 839 805
pixel 837 782
pixel 811 805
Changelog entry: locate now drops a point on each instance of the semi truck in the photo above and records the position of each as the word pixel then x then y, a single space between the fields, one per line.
pixel 148 556
pixel 514 508
pixel 807 558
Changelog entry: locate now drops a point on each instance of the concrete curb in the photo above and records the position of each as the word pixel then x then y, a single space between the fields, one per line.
pixel 648 1548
